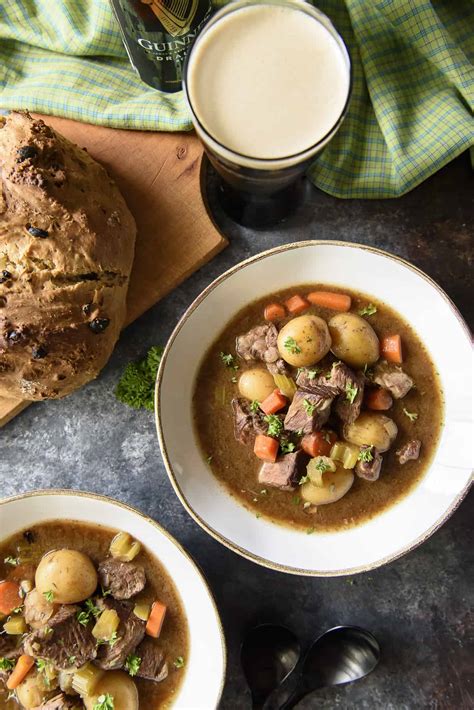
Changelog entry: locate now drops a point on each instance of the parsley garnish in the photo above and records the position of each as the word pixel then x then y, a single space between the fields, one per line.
pixel 322 466
pixel 296 500
pixel 412 416
pixel 71 660
pixel 229 360
pixel 44 667
pixel 351 392
pixel 310 531
pixel 91 610
pixel 292 346
pixel 366 455
pixel 368 310
pixel 304 479
pixel 104 702
pixel 178 662
pixel 275 425
pixel 255 406
pixel 209 459
pixel 312 374
pixel 49 596
pixel 6 664
pixel 113 639
pixel 13 561
pixel 132 664
pixel 286 446
pixel 136 387
pixel 309 407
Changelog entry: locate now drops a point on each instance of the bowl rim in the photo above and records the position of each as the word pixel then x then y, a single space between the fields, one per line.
pixel 161 439
pixel 74 493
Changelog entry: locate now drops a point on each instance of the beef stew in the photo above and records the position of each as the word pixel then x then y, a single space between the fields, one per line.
pixel 89 619
pixel 318 407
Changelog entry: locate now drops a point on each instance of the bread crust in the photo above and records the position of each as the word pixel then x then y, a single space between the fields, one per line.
pixel 67 242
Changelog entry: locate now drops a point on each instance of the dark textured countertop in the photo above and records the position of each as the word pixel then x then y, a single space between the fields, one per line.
pixel 419 607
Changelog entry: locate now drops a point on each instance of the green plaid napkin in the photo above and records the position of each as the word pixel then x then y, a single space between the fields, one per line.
pixel 411 110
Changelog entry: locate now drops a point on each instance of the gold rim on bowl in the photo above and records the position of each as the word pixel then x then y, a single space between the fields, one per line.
pixel 169 469
pixel 97 496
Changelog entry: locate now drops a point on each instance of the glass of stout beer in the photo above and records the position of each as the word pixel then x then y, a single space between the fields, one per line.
pixel 268 84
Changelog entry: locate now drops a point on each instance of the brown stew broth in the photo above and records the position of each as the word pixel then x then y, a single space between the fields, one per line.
pixel 94 541
pixel 236 466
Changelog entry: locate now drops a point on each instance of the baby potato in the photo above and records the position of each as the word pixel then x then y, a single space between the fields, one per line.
pixel 120 686
pixel 354 341
pixel 256 384
pixel 68 574
pixel 371 430
pixel 32 689
pixel 337 482
pixel 304 341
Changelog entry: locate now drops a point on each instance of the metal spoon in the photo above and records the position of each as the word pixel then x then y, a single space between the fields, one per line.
pixel 268 655
pixel 341 655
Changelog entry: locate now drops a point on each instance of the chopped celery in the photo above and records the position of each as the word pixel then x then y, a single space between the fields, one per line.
pixel 123 548
pixel 106 625
pixel 345 453
pixel 86 678
pixel 15 626
pixel 316 469
pixel 286 385
pixel 142 611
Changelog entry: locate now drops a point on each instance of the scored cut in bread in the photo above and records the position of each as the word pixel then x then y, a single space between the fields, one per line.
pixel 67 242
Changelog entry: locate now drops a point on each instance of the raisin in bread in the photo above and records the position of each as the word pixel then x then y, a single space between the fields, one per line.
pixel 66 251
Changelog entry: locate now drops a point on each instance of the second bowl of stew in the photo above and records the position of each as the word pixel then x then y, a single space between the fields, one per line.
pixel 308 411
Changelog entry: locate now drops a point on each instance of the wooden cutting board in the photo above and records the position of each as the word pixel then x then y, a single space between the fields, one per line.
pixel 160 175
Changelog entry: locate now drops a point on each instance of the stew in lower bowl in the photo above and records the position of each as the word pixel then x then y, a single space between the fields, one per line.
pixel 318 407
pixel 89 620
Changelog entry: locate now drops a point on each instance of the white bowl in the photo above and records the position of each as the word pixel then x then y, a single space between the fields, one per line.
pixel 398 529
pixel 205 666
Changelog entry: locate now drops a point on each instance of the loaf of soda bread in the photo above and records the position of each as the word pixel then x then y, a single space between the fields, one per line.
pixel 66 250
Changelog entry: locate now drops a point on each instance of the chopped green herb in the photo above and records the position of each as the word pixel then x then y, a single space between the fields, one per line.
pixel 178 662
pixel 257 515
pixel 17 609
pixel 255 406
pixel 299 432
pixel 209 459
pixel 49 596
pixel 296 500
pixel 229 360
pixel 292 346
pixel 366 455
pixel 312 374
pixel 368 310
pixel 351 392
pixel 287 447
pixel 132 664
pixel 113 639
pixel 6 664
pixel 13 561
pixel 46 631
pixel 412 416
pixel 91 611
pixel 310 531
pixel 44 667
pixel 275 425
pixel 322 466
pixel 304 479
pixel 71 660
pixel 104 702
pixel 136 387
pixel 309 407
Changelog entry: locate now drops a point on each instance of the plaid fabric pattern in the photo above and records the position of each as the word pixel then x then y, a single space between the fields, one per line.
pixel 413 83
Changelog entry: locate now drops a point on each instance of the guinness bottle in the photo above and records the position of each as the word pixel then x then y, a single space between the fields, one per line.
pixel 157 35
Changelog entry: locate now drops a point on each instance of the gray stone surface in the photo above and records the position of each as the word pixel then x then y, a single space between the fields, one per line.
pixel 419 607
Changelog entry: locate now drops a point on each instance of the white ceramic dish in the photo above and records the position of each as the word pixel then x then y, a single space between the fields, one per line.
pixel 205 667
pixel 404 525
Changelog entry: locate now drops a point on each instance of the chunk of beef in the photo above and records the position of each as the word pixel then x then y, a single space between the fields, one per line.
pixel 350 385
pixel 37 609
pixel 284 473
pixel 10 648
pixel 60 702
pixel 62 638
pixel 317 385
pixel 409 451
pixel 260 343
pixel 397 382
pixel 122 579
pixel 153 664
pixel 307 412
pixel 130 633
pixel 370 470
pixel 247 423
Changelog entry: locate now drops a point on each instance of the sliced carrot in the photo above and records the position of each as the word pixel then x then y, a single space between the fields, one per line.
pixel 9 597
pixel 319 443
pixel 297 304
pixel 391 348
pixel 23 666
pixel 156 619
pixel 378 399
pixel 274 311
pixel 274 402
pixel 266 448
pixel 328 299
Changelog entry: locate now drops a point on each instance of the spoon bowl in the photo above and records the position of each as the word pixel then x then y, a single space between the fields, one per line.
pixel 269 653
